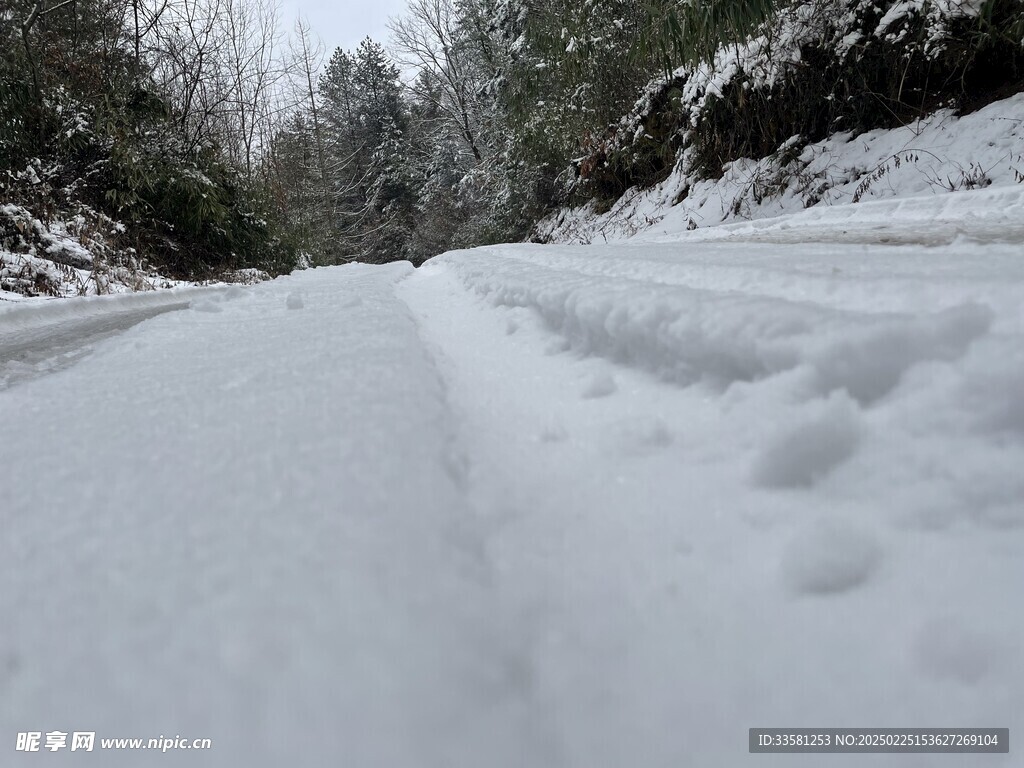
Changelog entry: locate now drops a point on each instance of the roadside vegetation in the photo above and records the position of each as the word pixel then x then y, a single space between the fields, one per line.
pixel 203 139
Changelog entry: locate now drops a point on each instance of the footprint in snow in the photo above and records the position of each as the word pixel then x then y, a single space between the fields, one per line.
pixel 600 385
pixel 830 557
pixel 802 455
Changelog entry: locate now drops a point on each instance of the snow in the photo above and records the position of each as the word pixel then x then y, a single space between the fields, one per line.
pixel 927 164
pixel 531 505
pixel 830 556
pixel 40 337
pixel 73 257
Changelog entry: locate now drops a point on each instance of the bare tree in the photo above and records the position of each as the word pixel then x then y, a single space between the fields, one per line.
pixel 252 66
pixel 428 38
pixel 222 63
pixel 192 51
pixel 309 55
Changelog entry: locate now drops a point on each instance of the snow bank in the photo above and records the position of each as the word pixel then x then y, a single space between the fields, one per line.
pixel 938 157
pixel 773 484
pixel 845 335
pixel 70 256
pixel 692 336
pixel 986 215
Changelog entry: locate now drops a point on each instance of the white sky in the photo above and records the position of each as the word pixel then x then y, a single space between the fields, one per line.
pixel 343 22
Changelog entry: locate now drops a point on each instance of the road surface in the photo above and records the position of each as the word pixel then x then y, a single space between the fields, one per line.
pixel 524 506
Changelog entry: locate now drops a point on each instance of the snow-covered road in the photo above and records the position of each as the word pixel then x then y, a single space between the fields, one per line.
pixel 528 506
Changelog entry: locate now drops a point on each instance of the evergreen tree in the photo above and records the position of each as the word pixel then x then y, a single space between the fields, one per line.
pixel 366 121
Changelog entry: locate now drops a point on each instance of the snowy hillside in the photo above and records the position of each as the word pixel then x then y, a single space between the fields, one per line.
pixel 930 157
pixel 76 257
pixel 587 506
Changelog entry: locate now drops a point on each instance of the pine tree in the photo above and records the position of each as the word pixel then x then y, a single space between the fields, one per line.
pixel 366 121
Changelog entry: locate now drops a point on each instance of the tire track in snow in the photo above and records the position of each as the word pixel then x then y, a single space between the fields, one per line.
pixel 513 628
pixel 37 338
pixel 246 506
pixel 557 570
pixel 763 490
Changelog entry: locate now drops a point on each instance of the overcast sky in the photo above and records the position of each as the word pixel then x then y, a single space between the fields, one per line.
pixel 343 22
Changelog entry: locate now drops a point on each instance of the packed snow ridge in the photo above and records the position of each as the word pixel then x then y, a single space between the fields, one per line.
pixel 589 506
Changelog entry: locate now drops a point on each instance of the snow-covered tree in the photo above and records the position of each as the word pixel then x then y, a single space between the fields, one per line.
pixel 366 123
pixel 91 95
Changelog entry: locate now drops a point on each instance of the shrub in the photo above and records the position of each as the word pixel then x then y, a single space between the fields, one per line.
pixel 812 69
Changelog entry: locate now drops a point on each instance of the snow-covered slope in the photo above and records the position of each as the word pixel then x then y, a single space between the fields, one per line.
pixel 934 157
pixel 67 257
pixel 75 257
pixel 532 506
